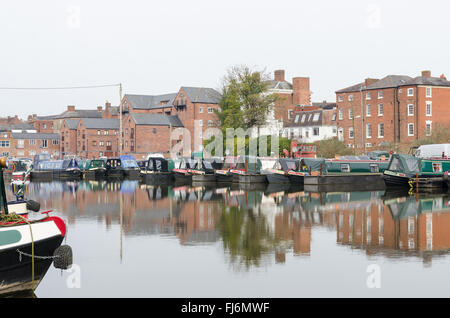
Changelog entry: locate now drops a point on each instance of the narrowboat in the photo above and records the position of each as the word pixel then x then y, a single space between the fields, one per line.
pixel 69 169
pixel 28 247
pixel 21 170
pixel 142 164
pixel 181 173
pixel 248 170
pixel 96 169
pixel 306 167
pixel 410 171
pixel 353 165
pixel 279 172
pixel 204 171
pixel 158 170
pixel 379 155
pixel 113 168
pixel 130 167
pixel 64 169
pixel 223 174
pixel 447 178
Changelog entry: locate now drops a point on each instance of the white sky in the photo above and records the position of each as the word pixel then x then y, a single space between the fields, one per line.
pixel 154 47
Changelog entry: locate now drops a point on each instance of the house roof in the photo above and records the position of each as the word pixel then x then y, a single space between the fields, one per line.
pixel 9 127
pixel 389 81
pixel 34 136
pixel 156 120
pixel 150 101
pixel 272 84
pixel 78 113
pixel 72 123
pixel 101 123
pixel 353 88
pixel 306 119
pixel 203 95
pixel 431 81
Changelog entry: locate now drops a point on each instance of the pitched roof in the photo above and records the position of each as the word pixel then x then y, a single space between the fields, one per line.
pixel 156 120
pixel 78 113
pixel 431 81
pixel 9 127
pixel 202 95
pixel 306 119
pixel 101 123
pixel 34 136
pixel 72 123
pixel 150 101
pixel 272 84
pixel 389 81
pixel 353 88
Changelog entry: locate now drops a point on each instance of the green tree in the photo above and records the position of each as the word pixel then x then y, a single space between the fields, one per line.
pixel 329 148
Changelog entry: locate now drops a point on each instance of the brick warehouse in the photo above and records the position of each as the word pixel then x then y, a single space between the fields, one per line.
pixel 391 111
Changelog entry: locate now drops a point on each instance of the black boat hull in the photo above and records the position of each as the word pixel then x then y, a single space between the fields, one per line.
pixel 396 181
pixel 16 271
pixel 296 180
pixel 131 173
pixel 114 173
pixel 224 178
pixel 277 178
pixel 152 178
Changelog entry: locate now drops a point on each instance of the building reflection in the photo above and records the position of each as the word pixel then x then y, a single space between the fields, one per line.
pixel 259 227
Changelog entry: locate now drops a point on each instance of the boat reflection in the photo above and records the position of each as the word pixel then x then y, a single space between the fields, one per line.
pixel 259 227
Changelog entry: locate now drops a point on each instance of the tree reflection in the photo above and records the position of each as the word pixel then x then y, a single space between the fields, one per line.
pixel 246 236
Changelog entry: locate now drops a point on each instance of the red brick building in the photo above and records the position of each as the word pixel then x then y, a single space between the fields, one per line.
pixel 68 137
pixel 148 133
pixel 97 137
pixel 396 109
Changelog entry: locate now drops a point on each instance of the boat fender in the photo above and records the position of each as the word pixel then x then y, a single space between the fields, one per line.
pixel 33 206
pixel 63 257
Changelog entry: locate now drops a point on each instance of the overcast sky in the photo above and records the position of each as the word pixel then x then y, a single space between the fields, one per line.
pixel 154 47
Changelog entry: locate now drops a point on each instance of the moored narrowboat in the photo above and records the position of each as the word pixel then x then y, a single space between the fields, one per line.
pixel 204 171
pixel 248 170
pixel 21 170
pixel 113 168
pixel 95 169
pixel 222 173
pixel 410 171
pixel 279 172
pixel 181 173
pixel 355 165
pixel 158 170
pixel 130 167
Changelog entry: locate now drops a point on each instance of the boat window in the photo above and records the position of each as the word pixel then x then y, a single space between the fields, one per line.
pixel 345 167
pixel 374 168
pixel 437 167
pixel 395 165
pixel 413 164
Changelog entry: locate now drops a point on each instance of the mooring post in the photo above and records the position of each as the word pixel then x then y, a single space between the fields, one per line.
pixel 417 182
pixel 2 186
pixel 320 169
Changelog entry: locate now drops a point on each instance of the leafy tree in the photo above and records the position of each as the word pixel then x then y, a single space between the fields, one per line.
pixel 329 148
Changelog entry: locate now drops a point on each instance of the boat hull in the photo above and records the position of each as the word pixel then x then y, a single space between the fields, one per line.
pixel 131 173
pixel 204 178
pixel 296 180
pixel 277 178
pixel 163 177
pixel 114 173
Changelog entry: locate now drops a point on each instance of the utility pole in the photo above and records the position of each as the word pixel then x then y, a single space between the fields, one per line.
pixel 120 120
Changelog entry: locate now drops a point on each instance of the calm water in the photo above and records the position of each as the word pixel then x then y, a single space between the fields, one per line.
pixel 225 242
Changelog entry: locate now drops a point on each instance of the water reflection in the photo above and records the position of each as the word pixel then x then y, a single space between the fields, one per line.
pixel 258 227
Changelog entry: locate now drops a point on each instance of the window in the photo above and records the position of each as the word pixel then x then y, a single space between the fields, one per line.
pixel 410 110
pixel 210 123
pixel 428 109
pixel 341 114
pixel 350 98
pixel 350 133
pixel 380 130
pixel 334 130
pixel 368 110
pixel 316 131
pixel 106 132
pixel 410 91
pixel 345 167
pixel 55 142
pixel 410 129
pixel 108 143
pixel 210 110
pixel 44 143
pixel 154 130
pixel 316 117
pixel 369 130
pixel 340 99
pixel 428 92
pixel 334 117
pixel 380 94
pixel 98 132
pixel 20 143
pixel 200 123
pixel 32 141
pixel 303 118
pixel 374 168
pixel 428 127
pixel 21 153
pixel 200 110
pixel 380 109
pixel 102 143
pixel 368 97
pixel 44 126
pixel 94 143
pixel 350 113
pixel 368 145
pixel 437 166
pixel 4 143
pixel 296 118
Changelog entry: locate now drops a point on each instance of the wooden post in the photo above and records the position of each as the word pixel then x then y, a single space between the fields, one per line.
pixel 245 160
pixel 417 182
pixel 255 167
pixel 320 169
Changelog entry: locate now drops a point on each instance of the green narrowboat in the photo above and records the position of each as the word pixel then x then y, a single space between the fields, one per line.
pixel 410 171
pixel 344 166
pixel 306 167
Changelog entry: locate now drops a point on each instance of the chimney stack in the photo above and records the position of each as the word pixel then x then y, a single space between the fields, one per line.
pixel 301 91
pixel 279 76
pixel 70 108
pixel 443 77
pixel 426 74
pixel 107 105
pixel 370 81
pixel 99 108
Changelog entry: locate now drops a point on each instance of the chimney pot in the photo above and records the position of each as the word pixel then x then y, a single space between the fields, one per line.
pixel 70 108
pixel 99 108
pixel 279 76
pixel 426 74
